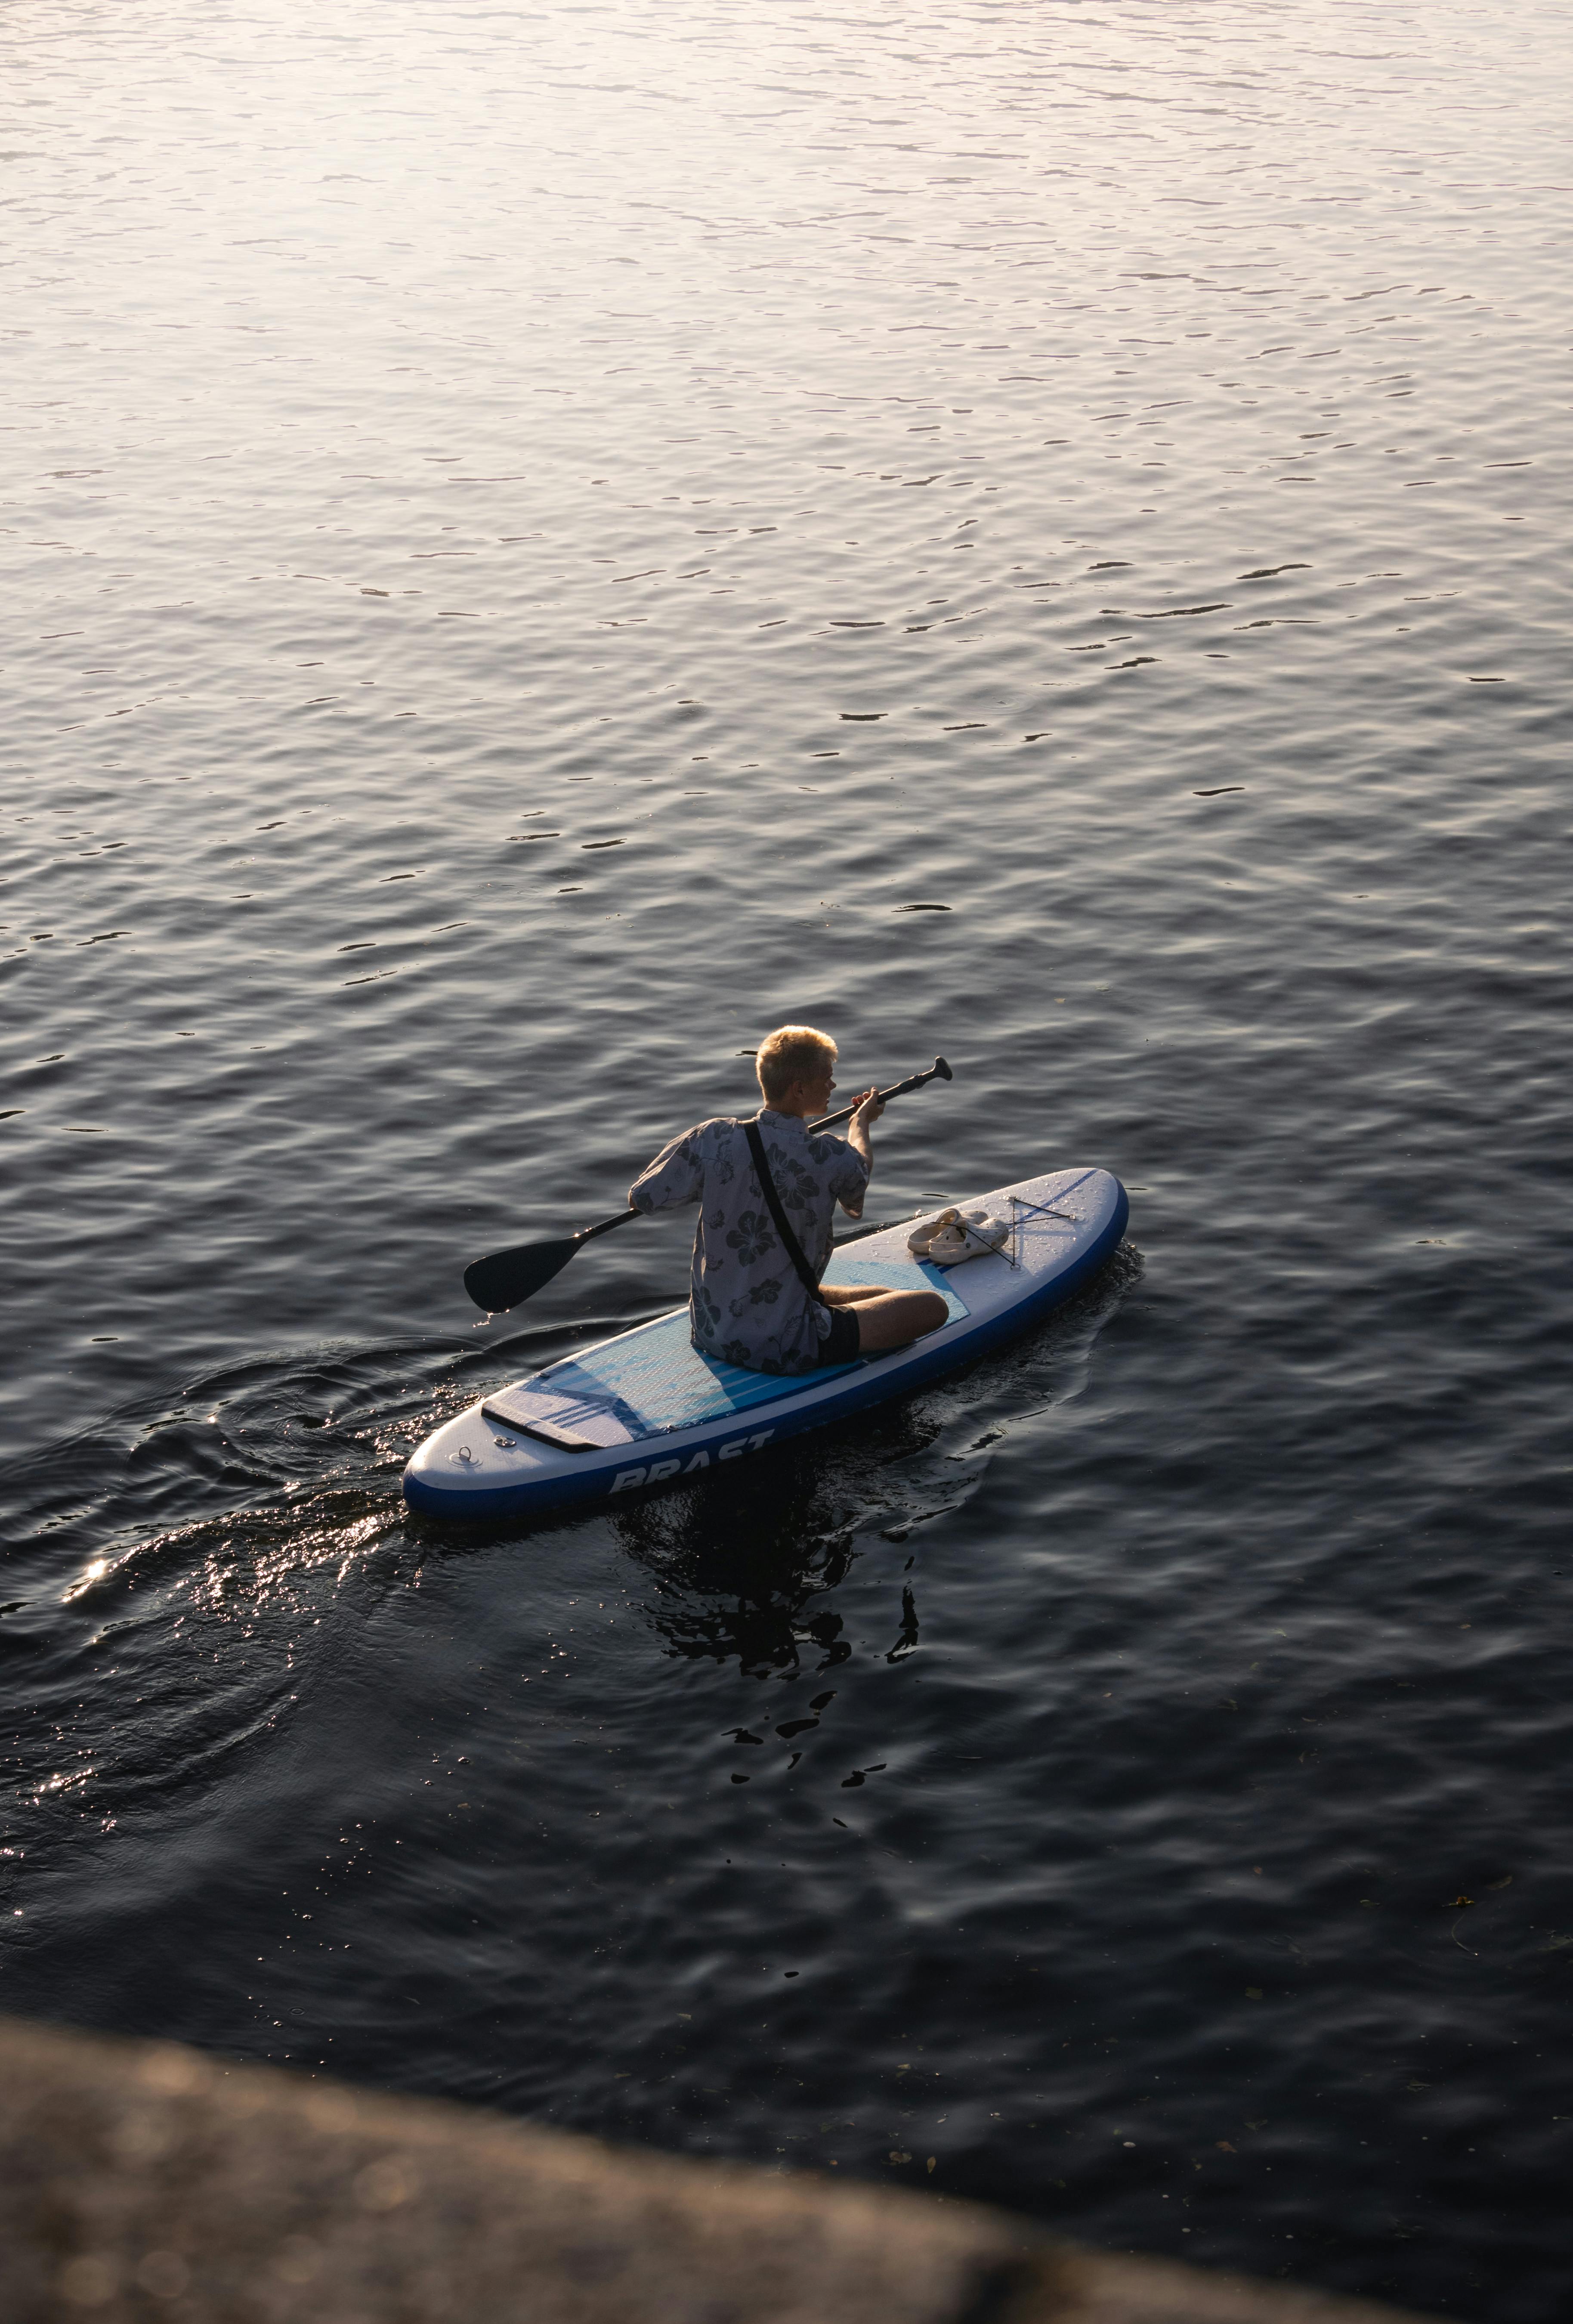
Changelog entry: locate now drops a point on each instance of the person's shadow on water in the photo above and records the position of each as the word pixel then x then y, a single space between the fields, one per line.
pixel 736 1564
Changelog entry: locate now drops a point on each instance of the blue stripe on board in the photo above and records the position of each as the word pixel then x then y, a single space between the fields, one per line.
pixel 657 1380
pixel 569 1382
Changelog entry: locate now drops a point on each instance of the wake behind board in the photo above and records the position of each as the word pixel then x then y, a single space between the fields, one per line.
pixel 647 1407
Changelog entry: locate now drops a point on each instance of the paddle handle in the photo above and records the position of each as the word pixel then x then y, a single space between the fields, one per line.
pixel 938 1071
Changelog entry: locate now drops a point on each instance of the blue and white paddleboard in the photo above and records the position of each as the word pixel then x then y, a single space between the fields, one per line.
pixel 648 1407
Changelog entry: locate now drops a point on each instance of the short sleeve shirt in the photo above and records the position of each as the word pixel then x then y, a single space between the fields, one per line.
pixel 746 1302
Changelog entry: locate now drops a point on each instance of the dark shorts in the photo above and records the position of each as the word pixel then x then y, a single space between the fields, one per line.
pixel 841 1343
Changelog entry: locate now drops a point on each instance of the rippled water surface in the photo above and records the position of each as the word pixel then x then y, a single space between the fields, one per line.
pixel 1100 473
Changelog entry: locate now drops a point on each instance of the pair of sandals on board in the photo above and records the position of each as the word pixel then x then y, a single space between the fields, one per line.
pixel 957 1235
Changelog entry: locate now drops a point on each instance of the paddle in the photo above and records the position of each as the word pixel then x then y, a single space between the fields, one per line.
pixel 508 1278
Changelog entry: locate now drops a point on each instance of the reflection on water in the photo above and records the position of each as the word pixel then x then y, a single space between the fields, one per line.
pixel 742 1591
pixel 549 544
pixel 735 1566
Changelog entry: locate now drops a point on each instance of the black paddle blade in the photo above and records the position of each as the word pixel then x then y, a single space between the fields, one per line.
pixel 507 1276
pixel 942 1070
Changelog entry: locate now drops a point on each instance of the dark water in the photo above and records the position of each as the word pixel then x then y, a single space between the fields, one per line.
pixel 441 444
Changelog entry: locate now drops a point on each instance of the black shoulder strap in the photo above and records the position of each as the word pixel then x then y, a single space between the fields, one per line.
pixel 790 1243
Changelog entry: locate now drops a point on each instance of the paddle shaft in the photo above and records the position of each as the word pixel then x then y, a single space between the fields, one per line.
pixel 917 1081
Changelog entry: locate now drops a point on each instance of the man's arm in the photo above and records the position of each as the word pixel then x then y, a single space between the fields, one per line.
pixel 675 1175
pixel 867 1113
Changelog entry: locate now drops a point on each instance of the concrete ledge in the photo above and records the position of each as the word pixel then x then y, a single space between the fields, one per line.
pixel 139 2181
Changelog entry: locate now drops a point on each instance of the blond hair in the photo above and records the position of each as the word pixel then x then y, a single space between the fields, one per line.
pixel 791 1054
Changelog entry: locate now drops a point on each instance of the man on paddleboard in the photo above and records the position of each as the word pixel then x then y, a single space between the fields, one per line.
pixel 766 1192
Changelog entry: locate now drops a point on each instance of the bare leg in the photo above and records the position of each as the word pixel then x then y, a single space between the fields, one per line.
pixel 851 1295
pixel 891 1319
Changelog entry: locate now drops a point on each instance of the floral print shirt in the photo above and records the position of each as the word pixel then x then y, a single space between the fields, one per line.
pixel 746 1304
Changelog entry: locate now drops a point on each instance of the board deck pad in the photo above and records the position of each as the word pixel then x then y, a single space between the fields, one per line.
pixel 657 1380
pixel 529 1407
pixel 904 1273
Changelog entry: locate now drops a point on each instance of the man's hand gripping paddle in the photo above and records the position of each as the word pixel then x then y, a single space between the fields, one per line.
pixel 508 1278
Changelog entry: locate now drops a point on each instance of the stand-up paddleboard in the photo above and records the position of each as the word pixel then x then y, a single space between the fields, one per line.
pixel 648 1407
